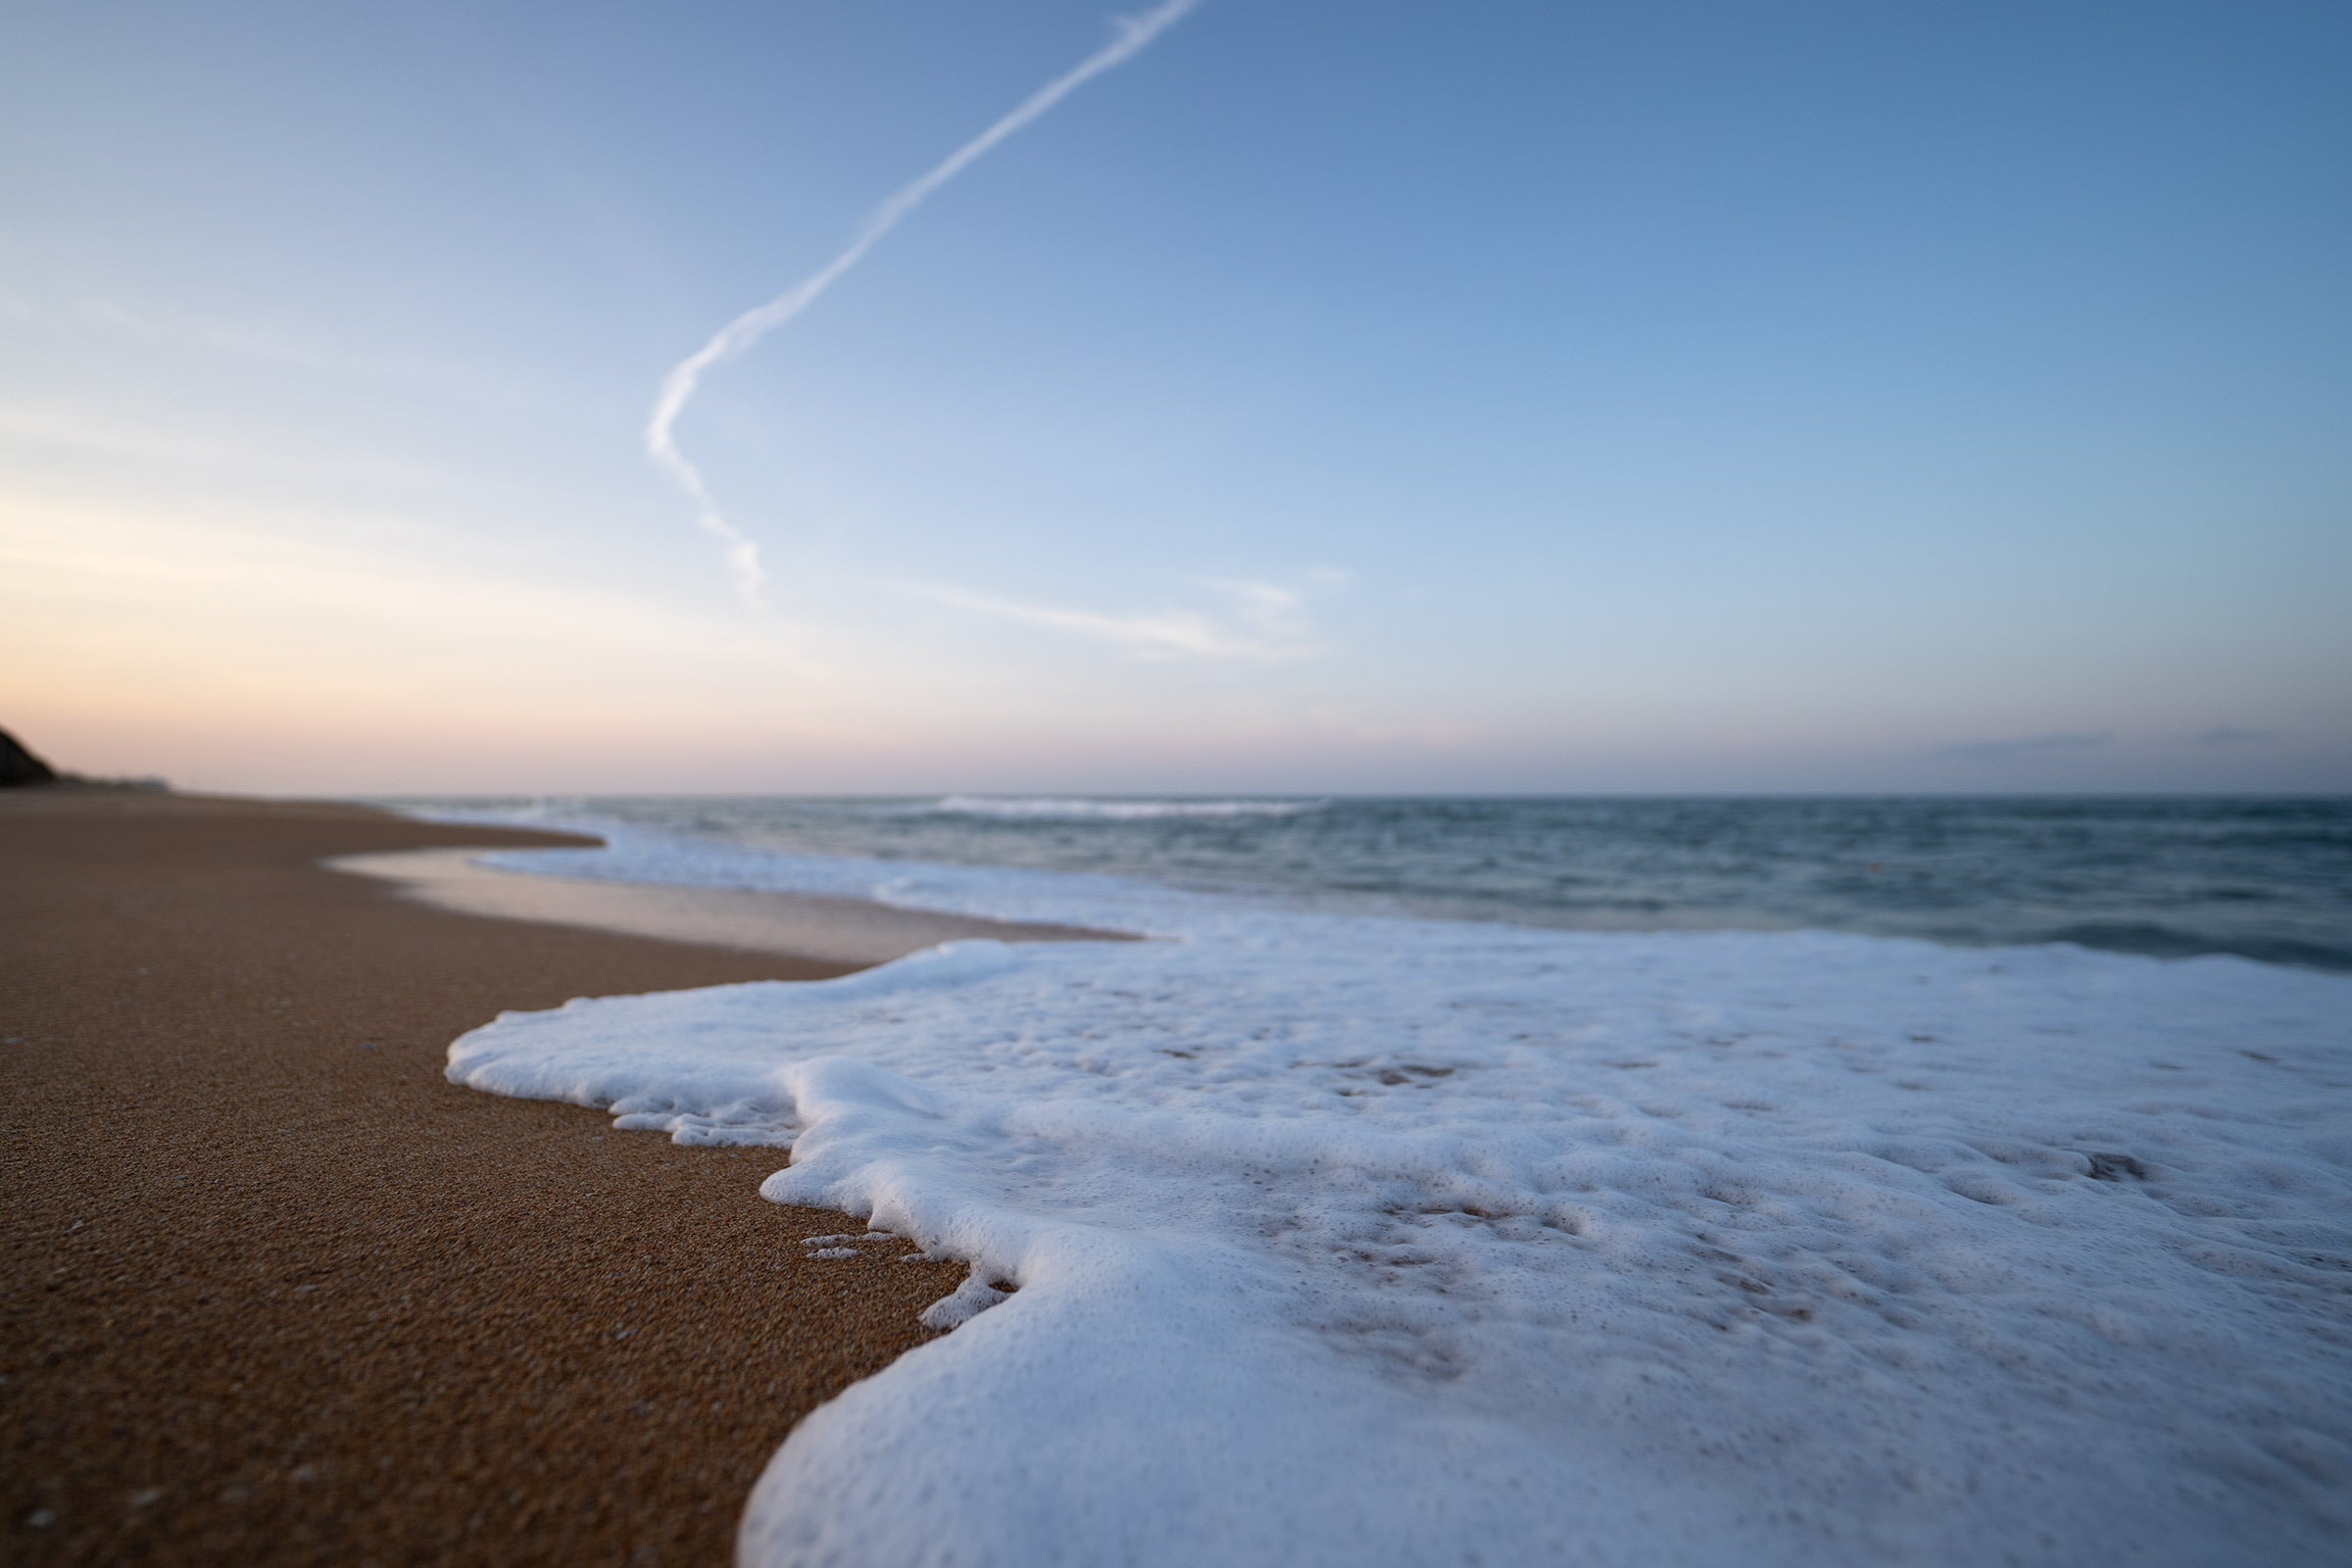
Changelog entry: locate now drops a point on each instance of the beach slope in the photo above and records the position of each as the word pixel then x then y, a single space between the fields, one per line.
pixel 275 1292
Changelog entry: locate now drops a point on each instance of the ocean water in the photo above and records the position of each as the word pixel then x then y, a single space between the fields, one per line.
pixel 1332 1227
pixel 2263 878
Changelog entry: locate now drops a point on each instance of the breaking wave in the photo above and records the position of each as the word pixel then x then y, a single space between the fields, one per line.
pixel 1089 809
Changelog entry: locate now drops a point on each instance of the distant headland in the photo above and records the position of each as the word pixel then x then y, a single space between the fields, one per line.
pixel 19 768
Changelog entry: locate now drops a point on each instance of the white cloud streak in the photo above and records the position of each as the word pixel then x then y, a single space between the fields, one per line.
pixel 678 387
pixel 276 345
pixel 1265 621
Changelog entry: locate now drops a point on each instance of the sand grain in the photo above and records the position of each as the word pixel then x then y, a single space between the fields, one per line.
pixel 275 1292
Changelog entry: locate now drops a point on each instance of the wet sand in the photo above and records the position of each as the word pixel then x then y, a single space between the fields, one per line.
pixel 275 1292
pixel 832 930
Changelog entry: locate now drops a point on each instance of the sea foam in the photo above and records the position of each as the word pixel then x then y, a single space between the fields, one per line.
pixel 1301 1238
pixel 1069 809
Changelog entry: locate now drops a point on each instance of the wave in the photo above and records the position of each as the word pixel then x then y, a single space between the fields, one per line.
pixel 1568 864
pixel 1087 809
pixel 2156 941
pixel 1416 1274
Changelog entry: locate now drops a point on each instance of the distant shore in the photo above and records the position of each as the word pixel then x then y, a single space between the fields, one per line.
pixel 275 1292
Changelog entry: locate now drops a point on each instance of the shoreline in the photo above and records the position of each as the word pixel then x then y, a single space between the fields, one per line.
pixel 818 927
pixel 276 1291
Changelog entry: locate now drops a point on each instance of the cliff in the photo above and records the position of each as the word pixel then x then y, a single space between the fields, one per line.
pixel 20 766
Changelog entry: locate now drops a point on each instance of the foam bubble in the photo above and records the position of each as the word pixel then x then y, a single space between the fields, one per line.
pixel 1066 808
pixel 1317 1239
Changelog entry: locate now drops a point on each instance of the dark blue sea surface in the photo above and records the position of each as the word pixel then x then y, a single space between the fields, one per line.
pixel 2265 878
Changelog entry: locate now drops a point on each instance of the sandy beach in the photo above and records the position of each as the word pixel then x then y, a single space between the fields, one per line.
pixel 277 1293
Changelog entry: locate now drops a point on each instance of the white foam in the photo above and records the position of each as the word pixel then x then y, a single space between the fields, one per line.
pixel 1346 1240
pixel 1077 809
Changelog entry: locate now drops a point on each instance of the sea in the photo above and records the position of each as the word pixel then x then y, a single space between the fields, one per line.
pixel 2259 877
pixel 1784 1182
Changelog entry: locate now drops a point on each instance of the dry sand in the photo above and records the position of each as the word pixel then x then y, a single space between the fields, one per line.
pixel 275 1292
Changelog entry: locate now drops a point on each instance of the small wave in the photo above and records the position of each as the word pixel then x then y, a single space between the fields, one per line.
pixel 2165 942
pixel 1273 1149
pixel 1083 809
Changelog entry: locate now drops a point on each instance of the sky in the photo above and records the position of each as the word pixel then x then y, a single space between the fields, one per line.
pixel 1319 395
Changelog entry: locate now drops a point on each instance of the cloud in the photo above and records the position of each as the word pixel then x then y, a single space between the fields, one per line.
pixel 276 345
pixel 149 446
pixel 2231 735
pixel 2026 747
pixel 1258 620
pixel 678 387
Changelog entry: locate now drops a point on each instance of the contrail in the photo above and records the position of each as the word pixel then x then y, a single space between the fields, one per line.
pixel 677 387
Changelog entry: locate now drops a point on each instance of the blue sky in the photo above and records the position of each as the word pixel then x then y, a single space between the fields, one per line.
pixel 1333 397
